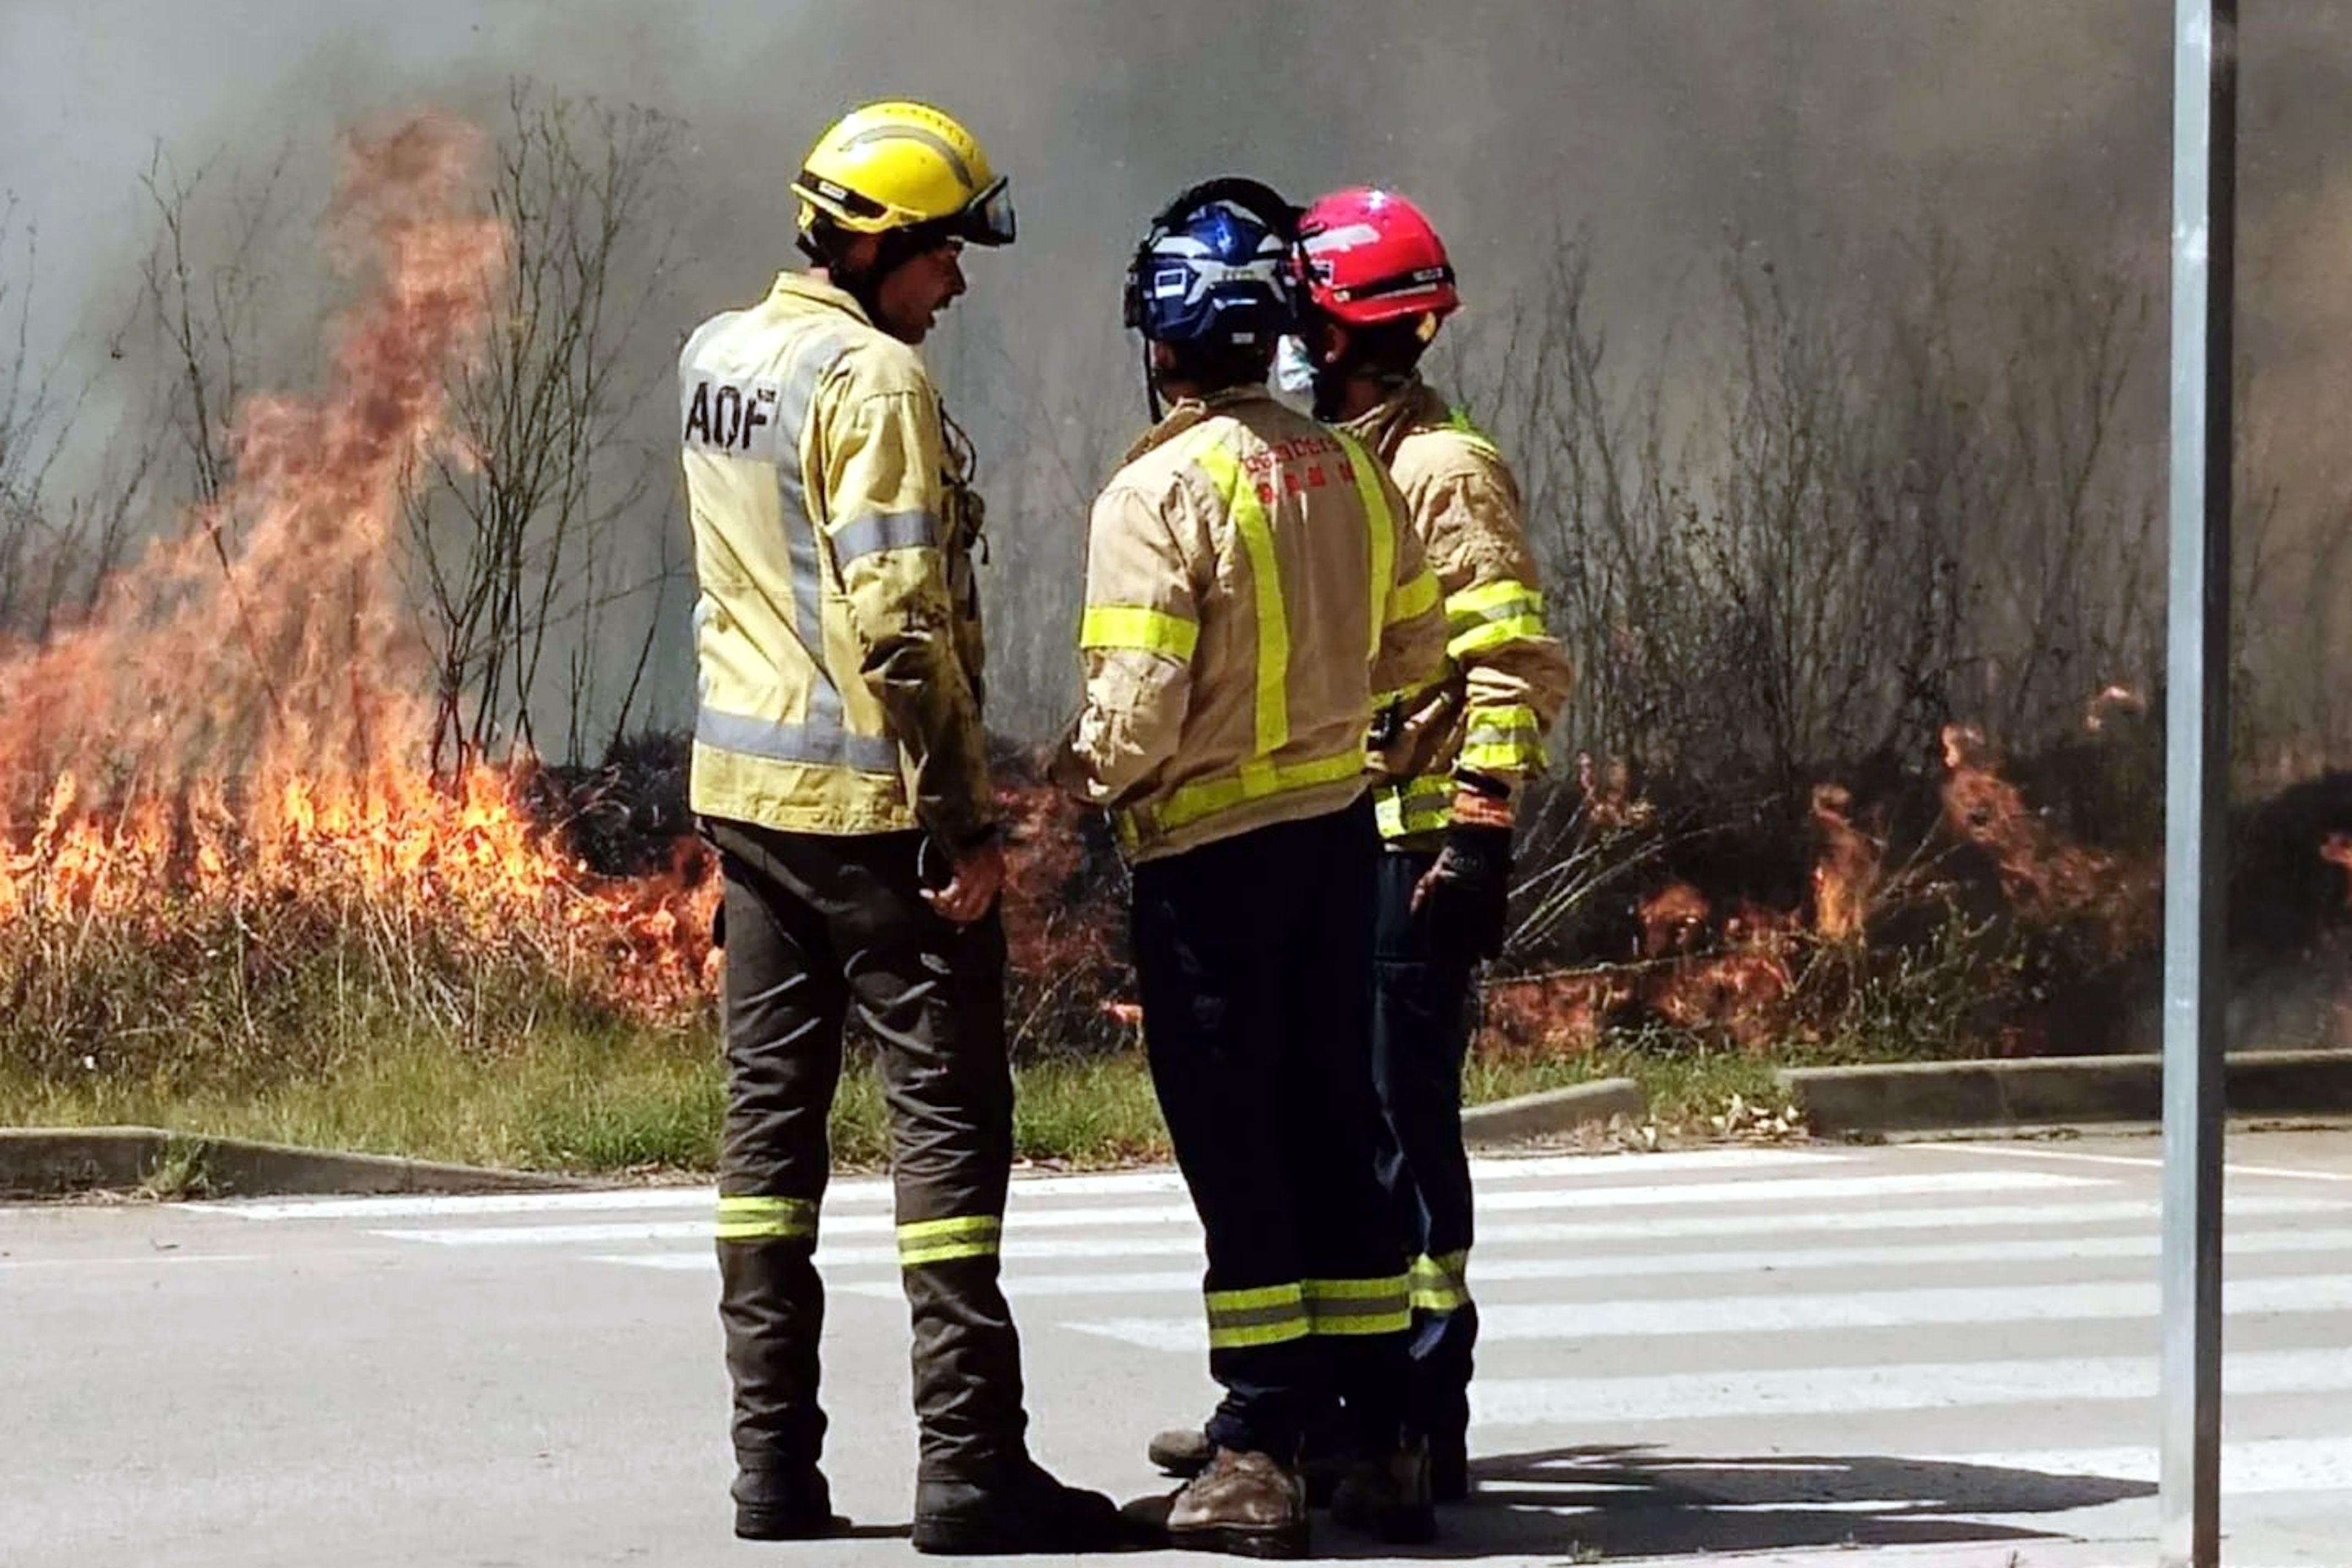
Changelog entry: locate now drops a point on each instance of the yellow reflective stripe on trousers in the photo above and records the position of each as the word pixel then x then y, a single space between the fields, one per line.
pixel 1506 739
pixel 1266 583
pixel 766 1219
pixel 944 1240
pixel 1418 805
pixel 1439 1284
pixel 1381 524
pixel 1267 1315
pixel 1138 629
pixel 1383 1306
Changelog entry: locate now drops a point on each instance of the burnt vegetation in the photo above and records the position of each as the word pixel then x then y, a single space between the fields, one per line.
pixel 1864 589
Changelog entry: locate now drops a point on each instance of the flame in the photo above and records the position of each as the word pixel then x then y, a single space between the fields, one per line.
pixel 1744 970
pixel 2042 876
pixel 2111 702
pixel 238 724
pixel 2337 850
pixel 269 639
pixel 1845 875
pixel 1611 803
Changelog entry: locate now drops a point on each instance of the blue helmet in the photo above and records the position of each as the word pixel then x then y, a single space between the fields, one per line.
pixel 1215 267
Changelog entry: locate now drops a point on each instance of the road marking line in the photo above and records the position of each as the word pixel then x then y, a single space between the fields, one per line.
pixel 1790 1189
pixel 2273 1466
pixel 1493 1239
pixel 1548 1166
pixel 1172 1215
pixel 1511 1233
pixel 1639 1266
pixel 1774 1391
pixel 2142 1162
pixel 164 1257
pixel 1020 1217
pixel 1670 1316
pixel 420 1207
pixel 877 1189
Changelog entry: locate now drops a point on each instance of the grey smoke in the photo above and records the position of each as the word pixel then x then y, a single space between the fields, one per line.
pixel 1823 133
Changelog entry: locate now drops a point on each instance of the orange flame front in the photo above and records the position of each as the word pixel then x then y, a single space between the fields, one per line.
pixel 239 718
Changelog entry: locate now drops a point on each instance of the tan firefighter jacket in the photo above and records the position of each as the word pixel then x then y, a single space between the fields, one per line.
pixel 1505 676
pixel 837 627
pixel 1250 584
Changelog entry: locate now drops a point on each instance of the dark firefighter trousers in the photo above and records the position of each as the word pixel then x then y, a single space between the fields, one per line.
pixel 1420 1028
pixel 815 924
pixel 1253 958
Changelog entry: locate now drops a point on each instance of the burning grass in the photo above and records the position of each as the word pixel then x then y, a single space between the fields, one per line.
pixel 234 894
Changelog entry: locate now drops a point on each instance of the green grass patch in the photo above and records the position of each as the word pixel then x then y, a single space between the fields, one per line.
pixel 610 1099
pixel 588 1099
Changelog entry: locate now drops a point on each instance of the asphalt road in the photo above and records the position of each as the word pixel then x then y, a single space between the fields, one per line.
pixel 1945 1354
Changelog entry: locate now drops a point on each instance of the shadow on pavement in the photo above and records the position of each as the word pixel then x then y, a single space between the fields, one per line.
pixel 1592 1503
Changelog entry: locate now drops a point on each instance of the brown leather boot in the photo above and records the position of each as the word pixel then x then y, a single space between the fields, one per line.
pixel 1182 1451
pixel 1249 1505
pixel 1386 1496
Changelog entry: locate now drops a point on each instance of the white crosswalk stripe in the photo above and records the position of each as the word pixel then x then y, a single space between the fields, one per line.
pixel 1876 1335
pixel 1933 1386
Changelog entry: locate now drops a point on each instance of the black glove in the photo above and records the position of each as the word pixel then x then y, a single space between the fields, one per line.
pixel 1467 893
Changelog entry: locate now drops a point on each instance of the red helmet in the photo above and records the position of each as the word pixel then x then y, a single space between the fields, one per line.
pixel 1369 256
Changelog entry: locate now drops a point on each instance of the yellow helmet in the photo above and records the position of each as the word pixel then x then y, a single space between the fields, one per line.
pixel 903 166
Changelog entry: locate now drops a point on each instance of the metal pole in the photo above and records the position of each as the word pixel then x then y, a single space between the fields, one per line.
pixel 2196 744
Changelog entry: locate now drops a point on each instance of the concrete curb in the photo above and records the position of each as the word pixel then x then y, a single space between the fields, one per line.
pixel 1553 1112
pixel 44 1162
pixel 1910 1097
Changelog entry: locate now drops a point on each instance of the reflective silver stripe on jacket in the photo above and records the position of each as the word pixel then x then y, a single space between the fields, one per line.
pixel 814 354
pixel 817 743
pixel 878 531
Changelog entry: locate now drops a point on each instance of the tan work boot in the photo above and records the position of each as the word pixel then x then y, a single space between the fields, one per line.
pixel 1386 1496
pixel 1182 1451
pixel 1185 1451
pixel 1249 1505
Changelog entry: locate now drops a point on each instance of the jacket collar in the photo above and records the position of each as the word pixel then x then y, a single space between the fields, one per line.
pixel 1414 406
pixel 815 291
pixel 1191 411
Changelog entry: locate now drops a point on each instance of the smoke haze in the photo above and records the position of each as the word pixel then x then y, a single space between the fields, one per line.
pixel 1828 136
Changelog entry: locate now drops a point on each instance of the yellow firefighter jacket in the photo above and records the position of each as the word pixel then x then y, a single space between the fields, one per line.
pixel 1505 678
pixel 837 627
pixel 1250 585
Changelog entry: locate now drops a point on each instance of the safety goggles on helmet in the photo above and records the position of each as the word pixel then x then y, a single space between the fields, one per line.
pixel 986 219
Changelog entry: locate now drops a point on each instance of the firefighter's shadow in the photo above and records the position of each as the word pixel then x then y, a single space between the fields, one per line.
pixel 1597 1502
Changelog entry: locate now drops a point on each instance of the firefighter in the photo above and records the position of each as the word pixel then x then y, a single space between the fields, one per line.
pixel 839 768
pixel 1377 286
pixel 1251 582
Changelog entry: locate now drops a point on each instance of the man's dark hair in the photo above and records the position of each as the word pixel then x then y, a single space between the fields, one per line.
pixel 1389 348
pixel 1213 366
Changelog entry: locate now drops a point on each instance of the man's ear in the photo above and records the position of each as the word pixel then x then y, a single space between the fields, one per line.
pixel 1330 343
